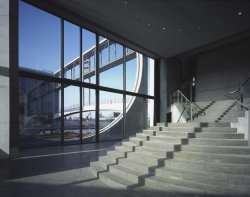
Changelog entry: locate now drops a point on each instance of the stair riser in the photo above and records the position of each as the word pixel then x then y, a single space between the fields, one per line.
pixel 205 178
pixel 116 154
pixel 165 146
pixel 173 134
pixel 217 143
pixel 219 136
pixel 170 140
pixel 143 137
pixel 166 187
pixel 217 150
pixel 153 150
pixel 227 169
pixel 150 133
pixel 112 183
pixel 193 178
pixel 211 158
pixel 146 159
pixel 136 142
pixel 124 175
pixel 218 130
pixel 136 167
pixel 181 129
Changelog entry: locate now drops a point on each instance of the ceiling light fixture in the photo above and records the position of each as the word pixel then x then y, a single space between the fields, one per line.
pixel 239 13
pixel 125 2
pixel 164 28
pixel 179 30
pixel 149 24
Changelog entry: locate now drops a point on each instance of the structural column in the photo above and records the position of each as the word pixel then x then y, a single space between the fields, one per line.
pixel 8 78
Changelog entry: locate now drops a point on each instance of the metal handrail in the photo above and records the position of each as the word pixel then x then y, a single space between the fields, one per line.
pixel 241 85
pixel 192 105
pixel 240 88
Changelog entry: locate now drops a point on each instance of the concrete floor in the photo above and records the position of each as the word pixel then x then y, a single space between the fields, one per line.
pixel 54 171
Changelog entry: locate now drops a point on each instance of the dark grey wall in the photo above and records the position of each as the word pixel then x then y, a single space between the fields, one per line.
pixel 221 70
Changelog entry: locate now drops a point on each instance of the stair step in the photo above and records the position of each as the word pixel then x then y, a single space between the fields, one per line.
pixel 218 142
pixel 156 128
pixel 204 177
pixel 116 182
pixel 149 132
pixel 182 129
pixel 215 158
pixel 127 173
pixel 139 166
pixel 142 136
pixel 116 154
pixel 219 135
pixel 217 149
pixel 124 149
pixel 154 150
pixel 177 140
pixel 129 144
pixel 136 141
pixel 219 129
pixel 162 145
pixel 174 185
pixel 144 191
pixel 241 169
pixel 175 134
pixel 147 157
pixel 96 167
pixel 189 124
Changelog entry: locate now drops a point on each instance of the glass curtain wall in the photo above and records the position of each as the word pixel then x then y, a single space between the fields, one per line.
pixel 77 86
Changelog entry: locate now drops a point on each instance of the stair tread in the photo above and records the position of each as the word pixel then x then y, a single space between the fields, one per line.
pixel 117 179
pixel 175 184
pixel 203 173
pixel 128 170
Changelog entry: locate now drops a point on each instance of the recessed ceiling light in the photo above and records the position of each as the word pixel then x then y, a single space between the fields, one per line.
pixel 239 13
pixel 164 28
pixel 179 30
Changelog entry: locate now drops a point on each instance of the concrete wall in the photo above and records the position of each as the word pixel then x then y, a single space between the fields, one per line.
pixel 221 70
pixel 4 79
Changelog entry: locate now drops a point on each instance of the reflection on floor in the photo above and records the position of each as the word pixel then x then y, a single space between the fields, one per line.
pixel 54 171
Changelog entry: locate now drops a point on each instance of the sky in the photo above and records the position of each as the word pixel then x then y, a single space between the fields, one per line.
pixel 40 49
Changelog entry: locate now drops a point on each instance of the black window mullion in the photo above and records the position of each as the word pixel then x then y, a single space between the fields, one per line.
pixel 124 89
pixel 62 84
pixel 97 89
pixel 81 88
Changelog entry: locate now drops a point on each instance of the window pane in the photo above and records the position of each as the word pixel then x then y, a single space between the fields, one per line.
pixel 39 113
pixel 111 116
pixel 39 40
pixel 150 109
pixel 71 114
pixel 89 56
pixel 151 76
pixel 71 51
pixel 88 114
pixel 136 117
pixel 111 64
pixel 132 71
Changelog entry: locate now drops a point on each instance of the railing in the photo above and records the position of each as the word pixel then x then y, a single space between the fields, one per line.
pixel 241 93
pixel 189 110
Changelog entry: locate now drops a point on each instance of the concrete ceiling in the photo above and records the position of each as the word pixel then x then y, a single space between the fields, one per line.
pixel 166 27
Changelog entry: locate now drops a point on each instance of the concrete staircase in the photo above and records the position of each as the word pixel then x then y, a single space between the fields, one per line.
pixel 180 159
